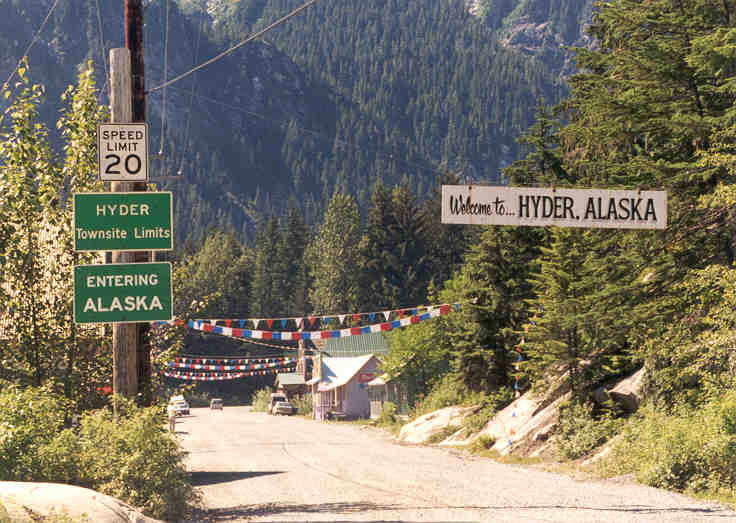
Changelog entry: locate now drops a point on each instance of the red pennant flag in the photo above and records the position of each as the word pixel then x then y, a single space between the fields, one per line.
pixel 401 313
pixel 269 322
pixel 356 318
pixel 228 323
pixel 311 321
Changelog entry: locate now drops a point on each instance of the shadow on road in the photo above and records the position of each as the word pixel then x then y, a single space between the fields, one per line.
pixel 245 512
pixel 200 479
pixel 271 509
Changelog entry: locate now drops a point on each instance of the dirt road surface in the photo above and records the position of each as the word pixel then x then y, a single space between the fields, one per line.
pixel 255 467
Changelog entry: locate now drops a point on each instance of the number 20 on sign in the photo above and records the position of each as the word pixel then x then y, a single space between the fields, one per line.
pixel 122 150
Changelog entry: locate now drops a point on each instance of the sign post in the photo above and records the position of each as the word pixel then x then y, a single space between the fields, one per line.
pixel 134 221
pixel 122 152
pixel 123 293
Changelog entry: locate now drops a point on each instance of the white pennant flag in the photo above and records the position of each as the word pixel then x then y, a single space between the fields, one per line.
pixel 387 314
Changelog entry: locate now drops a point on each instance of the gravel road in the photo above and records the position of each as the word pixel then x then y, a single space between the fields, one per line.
pixel 254 467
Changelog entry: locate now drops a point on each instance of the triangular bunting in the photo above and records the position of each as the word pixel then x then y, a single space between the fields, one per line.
pixel 269 323
pixel 387 314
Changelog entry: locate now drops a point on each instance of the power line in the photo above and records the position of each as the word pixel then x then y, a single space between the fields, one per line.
pixel 102 44
pixel 319 135
pixel 237 46
pixel 33 41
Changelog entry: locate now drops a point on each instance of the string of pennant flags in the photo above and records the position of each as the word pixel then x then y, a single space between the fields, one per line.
pixel 229 361
pixel 517 366
pixel 216 369
pixel 220 377
pixel 207 326
pixel 309 321
pixel 247 366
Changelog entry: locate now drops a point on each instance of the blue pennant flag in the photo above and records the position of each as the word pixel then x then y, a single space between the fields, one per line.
pixel 242 323
pixel 372 316
pixel 283 324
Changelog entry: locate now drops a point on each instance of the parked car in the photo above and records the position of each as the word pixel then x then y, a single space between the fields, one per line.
pixel 275 398
pixel 180 405
pixel 284 407
pixel 216 403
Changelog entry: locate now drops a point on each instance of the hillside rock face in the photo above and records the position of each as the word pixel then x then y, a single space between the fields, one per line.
pixel 424 427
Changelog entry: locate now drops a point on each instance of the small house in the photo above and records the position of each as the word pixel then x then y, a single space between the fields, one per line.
pixel 291 383
pixel 385 389
pixel 339 386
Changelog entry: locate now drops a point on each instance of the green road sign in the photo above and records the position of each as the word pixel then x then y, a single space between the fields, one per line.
pixel 123 221
pixel 122 293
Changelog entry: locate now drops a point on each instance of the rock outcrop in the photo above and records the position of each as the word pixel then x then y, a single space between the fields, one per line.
pixel 26 501
pixel 424 427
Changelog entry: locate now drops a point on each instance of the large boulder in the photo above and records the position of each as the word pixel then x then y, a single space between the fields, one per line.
pixel 25 501
pixel 424 427
pixel 627 393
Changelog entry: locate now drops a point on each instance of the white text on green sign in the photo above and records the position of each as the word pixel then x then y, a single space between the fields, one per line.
pixel 122 293
pixel 134 221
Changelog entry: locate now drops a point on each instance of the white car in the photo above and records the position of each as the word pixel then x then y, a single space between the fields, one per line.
pixel 180 405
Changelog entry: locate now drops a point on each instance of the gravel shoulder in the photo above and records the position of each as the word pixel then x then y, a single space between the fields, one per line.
pixel 254 467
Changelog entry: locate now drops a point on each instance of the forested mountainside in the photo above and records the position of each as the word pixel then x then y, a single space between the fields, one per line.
pixel 337 98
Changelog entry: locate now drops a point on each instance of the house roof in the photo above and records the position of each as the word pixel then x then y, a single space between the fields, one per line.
pixel 373 343
pixel 380 380
pixel 336 372
pixel 290 378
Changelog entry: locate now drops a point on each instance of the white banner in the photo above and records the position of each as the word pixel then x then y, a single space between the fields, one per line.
pixel 537 206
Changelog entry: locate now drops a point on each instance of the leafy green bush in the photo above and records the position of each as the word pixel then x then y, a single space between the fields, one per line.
pixel 442 434
pixel 303 404
pixel 481 444
pixel 579 431
pixel 388 415
pixel 30 421
pixel 261 400
pixel 132 457
pixel 490 404
pixel 692 449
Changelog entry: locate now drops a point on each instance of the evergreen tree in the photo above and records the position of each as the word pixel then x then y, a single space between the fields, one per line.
pixel 494 286
pixel 334 258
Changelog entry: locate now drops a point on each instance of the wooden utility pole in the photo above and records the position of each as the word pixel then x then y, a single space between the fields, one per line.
pixel 134 42
pixel 131 363
pixel 124 335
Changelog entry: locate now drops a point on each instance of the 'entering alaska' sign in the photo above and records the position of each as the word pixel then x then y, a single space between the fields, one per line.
pixel 595 208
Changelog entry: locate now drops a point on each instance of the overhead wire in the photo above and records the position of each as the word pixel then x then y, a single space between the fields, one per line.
pixel 166 68
pixel 102 47
pixel 28 49
pixel 236 46
pixel 322 136
pixel 191 101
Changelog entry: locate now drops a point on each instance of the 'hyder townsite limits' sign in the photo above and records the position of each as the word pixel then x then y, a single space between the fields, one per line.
pixel 122 293
pixel 134 221
pixel 595 208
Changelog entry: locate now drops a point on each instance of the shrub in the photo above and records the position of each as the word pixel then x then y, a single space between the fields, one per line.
pixel 579 431
pixel 388 415
pixel 490 404
pixel 261 400
pixel 481 444
pixel 442 434
pixel 691 449
pixel 132 457
pixel 30 421
pixel 303 404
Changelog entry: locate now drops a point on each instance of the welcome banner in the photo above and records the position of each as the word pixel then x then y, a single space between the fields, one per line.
pixel 538 206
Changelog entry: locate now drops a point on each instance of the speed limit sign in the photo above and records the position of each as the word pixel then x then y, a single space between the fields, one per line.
pixel 122 152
